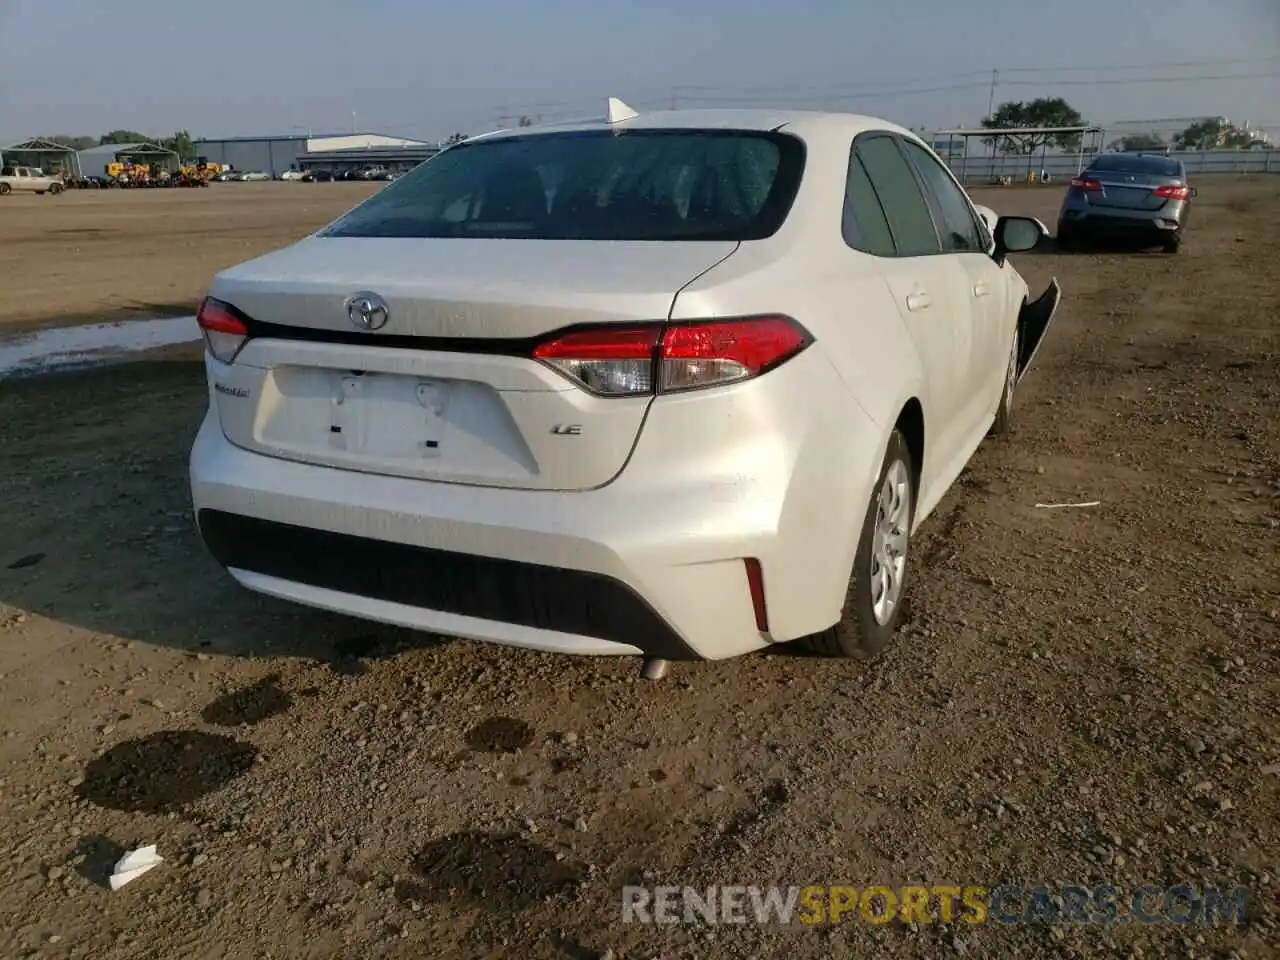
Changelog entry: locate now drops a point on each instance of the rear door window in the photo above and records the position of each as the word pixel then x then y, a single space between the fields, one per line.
pixel 593 185
pixel 1129 163
pixel 910 221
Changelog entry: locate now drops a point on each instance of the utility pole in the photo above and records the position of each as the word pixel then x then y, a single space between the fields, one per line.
pixel 991 105
pixel 353 123
pixel 675 98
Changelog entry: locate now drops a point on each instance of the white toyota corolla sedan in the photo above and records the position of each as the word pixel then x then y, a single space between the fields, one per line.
pixel 679 385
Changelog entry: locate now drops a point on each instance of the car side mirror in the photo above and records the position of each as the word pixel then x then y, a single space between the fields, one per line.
pixel 1017 235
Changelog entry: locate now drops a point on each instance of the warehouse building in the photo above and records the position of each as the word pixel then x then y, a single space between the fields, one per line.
pixel 398 159
pixel 275 155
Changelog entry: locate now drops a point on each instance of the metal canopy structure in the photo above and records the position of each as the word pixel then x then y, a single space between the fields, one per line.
pixel 42 153
pixel 95 159
pixel 1090 131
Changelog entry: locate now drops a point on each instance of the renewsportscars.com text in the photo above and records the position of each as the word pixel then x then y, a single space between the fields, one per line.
pixel 943 903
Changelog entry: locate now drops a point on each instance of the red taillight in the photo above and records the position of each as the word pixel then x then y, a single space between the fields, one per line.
pixel 755 583
pixel 631 361
pixel 1087 184
pixel 701 354
pixel 1171 192
pixel 224 332
pixel 613 361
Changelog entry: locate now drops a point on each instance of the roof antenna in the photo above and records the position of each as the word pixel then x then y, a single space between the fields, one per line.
pixel 619 111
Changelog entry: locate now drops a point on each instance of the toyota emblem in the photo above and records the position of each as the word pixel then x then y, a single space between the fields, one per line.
pixel 368 311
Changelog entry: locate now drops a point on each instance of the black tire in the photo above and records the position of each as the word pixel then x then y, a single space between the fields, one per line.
pixel 4 189
pixel 56 189
pixel 859 633
pixel 1171 243
pixel 1004 413
pixel 1066 237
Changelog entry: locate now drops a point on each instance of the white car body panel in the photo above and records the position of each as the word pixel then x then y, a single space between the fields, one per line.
pixel 665 495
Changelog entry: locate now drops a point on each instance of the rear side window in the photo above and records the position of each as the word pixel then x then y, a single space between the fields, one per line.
pixel 1129 163
pixel 865 226
pixel 593 185
pixel 956 219
pixel 904 205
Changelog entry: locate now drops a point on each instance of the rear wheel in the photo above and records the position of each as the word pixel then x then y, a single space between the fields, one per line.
pixel 873 601
pixel 1171 243
pixel 1066 237
pixel 4 189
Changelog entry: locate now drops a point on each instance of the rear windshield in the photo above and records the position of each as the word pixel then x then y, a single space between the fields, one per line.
pixel 594 185
pixel 1128 163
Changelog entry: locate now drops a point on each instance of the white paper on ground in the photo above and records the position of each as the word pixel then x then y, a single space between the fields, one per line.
pixel 133 865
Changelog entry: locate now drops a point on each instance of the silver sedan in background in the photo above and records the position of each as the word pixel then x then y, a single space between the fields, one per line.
pixel 1143 197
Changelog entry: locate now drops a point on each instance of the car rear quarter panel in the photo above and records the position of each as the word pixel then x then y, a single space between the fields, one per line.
pixel 776 465
pixel 870 369
pixel 808 272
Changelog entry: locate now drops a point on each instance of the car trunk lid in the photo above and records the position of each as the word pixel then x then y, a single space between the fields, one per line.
pixel 446 390
pixel 1130 191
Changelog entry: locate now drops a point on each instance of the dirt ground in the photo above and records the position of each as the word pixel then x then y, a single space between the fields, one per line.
pixel 1080 696
pixel 97 256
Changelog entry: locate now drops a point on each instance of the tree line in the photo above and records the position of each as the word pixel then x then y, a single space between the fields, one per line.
pixel 1208 134
pixel 180 143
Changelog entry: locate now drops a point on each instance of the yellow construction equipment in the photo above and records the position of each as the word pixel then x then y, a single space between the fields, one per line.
pixel 129 174
pixel 200 169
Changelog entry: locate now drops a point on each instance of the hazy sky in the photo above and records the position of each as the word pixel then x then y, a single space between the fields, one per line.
pixel 422 68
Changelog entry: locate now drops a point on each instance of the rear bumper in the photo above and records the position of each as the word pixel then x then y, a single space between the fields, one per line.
pixel 271 556
pixel 1155 223
pixel 652 563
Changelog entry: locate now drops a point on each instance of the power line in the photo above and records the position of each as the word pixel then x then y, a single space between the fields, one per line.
pixel 1076 68
pixel 967 74
pixel 841 97
pixel 651 93
pixel 874 94
pixel 971 74
pixel 1133 80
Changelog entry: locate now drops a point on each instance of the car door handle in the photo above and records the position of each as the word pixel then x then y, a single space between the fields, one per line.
pixel 981 290
pixel 920 300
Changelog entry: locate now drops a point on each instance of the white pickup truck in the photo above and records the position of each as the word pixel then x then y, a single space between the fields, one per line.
pixel 28 180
